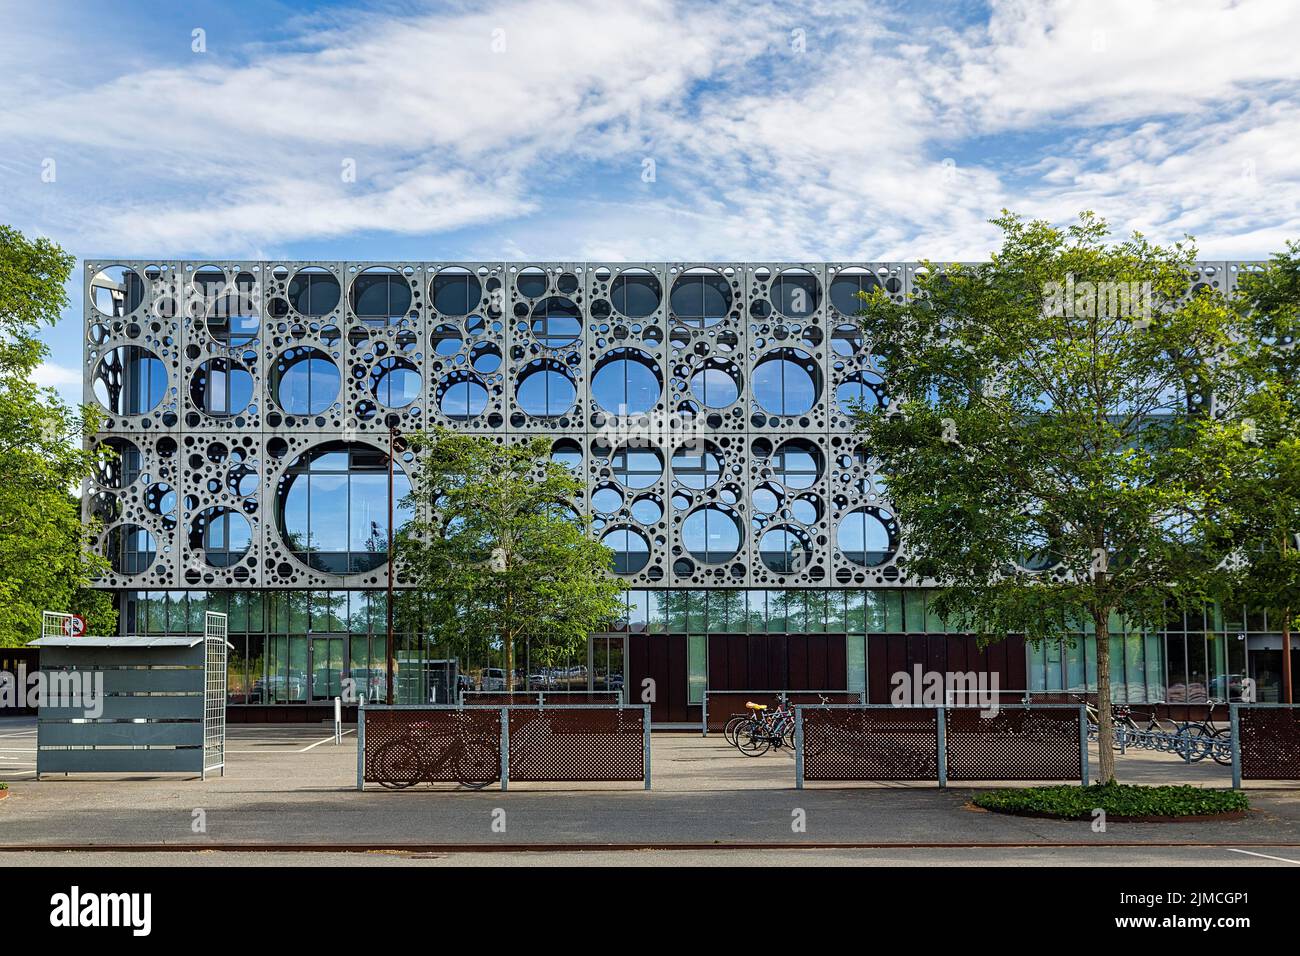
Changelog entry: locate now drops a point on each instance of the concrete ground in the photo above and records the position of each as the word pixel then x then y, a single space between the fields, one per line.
pixel 290 786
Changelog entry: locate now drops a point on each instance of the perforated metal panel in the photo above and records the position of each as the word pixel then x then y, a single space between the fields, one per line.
pixel 870 744
pixel 570 744
pixel 1269 739
pixel 1017 743
pixel 419 745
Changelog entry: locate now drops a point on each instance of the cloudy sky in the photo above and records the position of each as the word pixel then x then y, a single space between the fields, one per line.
pixel 639 129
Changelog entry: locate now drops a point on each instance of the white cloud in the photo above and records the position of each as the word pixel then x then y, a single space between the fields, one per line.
pixel 1148 112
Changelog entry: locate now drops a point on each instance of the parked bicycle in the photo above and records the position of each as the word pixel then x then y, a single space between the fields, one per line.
pixel 426 749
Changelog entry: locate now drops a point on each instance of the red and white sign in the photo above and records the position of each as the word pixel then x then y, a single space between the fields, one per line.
pixel 74 625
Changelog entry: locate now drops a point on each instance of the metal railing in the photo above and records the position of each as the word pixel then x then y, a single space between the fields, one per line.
pixel 562 742
pixel 883 742
pixel 538 698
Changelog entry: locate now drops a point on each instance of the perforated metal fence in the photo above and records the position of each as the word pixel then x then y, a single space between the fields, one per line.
pixel 1015 743
pixel 1266 742
pixel 402 745
pixel 883 742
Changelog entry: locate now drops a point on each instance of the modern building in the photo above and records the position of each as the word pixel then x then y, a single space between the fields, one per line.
pixel 705 404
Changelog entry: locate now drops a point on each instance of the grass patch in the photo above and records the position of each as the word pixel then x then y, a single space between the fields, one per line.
pixel 1119 800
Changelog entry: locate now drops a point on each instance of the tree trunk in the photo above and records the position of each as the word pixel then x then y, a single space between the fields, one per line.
pixel 1286 657
pixel 1105 724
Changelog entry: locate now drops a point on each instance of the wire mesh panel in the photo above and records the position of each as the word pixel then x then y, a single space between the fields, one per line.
pixel 577 743
pixel 870 743
pixel 409 745
pixel 214 691
pixel 1015 743
pixel 1269 741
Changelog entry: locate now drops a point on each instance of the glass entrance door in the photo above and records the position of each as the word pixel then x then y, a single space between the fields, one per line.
pixel 326 668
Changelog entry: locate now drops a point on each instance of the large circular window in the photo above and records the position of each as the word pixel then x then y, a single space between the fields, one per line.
pixel 455 292
pixel 380 296
pixel 222 535
pixel 461 395
pixel 631 549
pixel 796 293
pixel 716 384
pixel 122 466
pixel 867 536
pixel 786 382
pixel 314 291
pixel 785 549
pixel 221 387
pixel 556 322
pixel 701 298
pixel 846 286
pixel 305 381
pixel 130 549
pixel 797 463
pixel 395 382
pixel 546 389
pixel 130 380
pixel 697 465
pixel 635 293
pixel 626 382
pixel 711 535
pixel 116 291
pixel 865 390
pixel 332 507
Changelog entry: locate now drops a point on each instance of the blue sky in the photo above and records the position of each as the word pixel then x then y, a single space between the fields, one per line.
pixel 523 130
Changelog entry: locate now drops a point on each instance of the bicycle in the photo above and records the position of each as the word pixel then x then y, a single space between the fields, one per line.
pixel 1193 732
pixel 475 761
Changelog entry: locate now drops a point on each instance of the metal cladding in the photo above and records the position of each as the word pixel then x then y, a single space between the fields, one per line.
pixel 707 404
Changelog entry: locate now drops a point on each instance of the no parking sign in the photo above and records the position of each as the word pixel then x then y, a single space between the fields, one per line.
pixel 74 625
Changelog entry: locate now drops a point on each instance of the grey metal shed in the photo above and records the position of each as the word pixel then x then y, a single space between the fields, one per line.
pixel 131 704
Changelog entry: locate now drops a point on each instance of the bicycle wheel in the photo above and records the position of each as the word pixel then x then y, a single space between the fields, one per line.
pixel 729 731
pixel 1222 752
pixel 398 765
pixel 752 740
pixel 1194 748
pixel 477 764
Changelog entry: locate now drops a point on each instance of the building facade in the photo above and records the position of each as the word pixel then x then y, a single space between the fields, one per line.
pixel 707 407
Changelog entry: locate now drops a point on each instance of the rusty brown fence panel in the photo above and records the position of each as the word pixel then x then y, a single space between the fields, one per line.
pixel 1014 743
pixel 402 746
pixel 574 744
pixel 870 743
pixel 1267 742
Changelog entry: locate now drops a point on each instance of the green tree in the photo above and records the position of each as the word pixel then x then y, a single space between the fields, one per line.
pixel 45 561
pixel 495 554
pixel 1255 446
pixel 1040 443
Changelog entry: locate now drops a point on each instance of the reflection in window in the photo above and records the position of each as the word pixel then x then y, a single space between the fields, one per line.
pixel 314 291
pixel 697 465
pixel 546 390
pixel 864 539
pixel 786 382
pixel 797 463
pixel 845 288
pixel 626 383
pixel 380 296
pixel 223 535
pixel 635 293
pixel 711 535
pixel 455 292
pixel 395 383
pixel 130 549
pixel 221 387
pixel 556 322
pixel 715 386
pixel 701 299
pixel 305 381
pixel 332 507
pixel 130 380
pixel 636 467
pixel 630 547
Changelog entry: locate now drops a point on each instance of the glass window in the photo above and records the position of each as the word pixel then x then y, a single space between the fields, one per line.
pixel 130 380
pixel 455 292
pixel 313 291
pixel 635 293
pixel 786 382
pixel 855 656
pixel 305 381
pixel 700 298
pixel 697 668
pixel 626 383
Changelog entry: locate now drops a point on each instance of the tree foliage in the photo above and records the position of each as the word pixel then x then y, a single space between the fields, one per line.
pixel 495 553
pixel 45 563
pixel 1040 444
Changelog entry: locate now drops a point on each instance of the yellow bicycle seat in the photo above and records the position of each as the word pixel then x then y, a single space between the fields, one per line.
pixel 753 706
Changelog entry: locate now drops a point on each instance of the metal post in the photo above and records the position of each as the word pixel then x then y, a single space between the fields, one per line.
pixel 338 721
pixel 705 729
pixel 1083 744
pixel 392 436
pixel 1123 739
pixel 1234 721
pixel 941 738
pixel 505 748
pixel 798 748
pixel 361 744
pixel 645 730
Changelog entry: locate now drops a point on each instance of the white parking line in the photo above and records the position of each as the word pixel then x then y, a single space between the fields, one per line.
pixel 325 741
pixel 303 750
pixel 1280 859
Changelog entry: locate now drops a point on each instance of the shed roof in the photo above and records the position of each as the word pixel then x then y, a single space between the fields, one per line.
pixel 127 642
